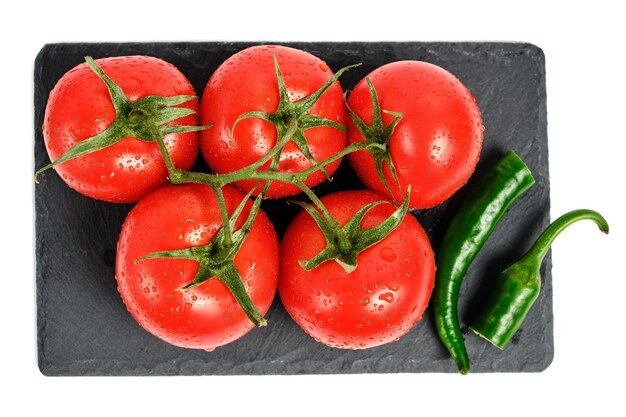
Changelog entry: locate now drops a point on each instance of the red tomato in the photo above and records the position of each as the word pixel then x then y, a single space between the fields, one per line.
pixel 436 145
pixel 375 304
pixel 205 316
pixel 79 107
pixel 247 82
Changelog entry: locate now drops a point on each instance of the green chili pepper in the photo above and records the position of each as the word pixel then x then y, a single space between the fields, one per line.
pixel 518 286
pixel 476 218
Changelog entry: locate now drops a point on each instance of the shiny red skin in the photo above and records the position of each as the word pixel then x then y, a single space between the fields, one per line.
pixel 79 107
pixel 206 316
pixel 247 82
pixel 375 304
pixel 436 145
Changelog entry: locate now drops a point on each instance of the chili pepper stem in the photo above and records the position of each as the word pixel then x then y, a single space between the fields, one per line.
pixel 543 243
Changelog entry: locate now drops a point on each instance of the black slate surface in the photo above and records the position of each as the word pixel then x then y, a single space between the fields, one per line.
pixel 83 327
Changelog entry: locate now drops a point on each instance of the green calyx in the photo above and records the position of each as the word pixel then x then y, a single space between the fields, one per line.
pixel 343 244
pixel 289 113
pixel 217 259
pixel 144 119
pixel 379 135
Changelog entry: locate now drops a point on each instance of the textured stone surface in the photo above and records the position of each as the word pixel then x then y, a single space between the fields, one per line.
pixel 84 328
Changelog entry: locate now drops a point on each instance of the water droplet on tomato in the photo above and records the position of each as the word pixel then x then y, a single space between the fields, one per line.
pixel 107 178
pixel 388 254
pixel 388 297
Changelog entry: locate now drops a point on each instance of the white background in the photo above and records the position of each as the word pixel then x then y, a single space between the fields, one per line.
pixel 585 62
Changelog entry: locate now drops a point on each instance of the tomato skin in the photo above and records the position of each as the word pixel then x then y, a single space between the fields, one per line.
pixel 205 316
pixel 436 145
pixel 375 304
pixel 79 107
pixel 247 82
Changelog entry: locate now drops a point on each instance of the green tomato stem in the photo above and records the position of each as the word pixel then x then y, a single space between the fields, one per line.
pixel 315 199
pixel 228 229
pixel 166 155
pixel 543 243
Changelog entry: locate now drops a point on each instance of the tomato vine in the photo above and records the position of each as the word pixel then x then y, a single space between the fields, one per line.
pixel 145 120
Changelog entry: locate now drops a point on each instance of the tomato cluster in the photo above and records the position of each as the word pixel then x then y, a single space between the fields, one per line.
pixel 198 262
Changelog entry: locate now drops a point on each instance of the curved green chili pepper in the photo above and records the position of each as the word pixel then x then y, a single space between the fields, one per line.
pixel 476 218
pixel 519 284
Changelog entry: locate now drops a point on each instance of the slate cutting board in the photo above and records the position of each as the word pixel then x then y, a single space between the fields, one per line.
pixel 83 327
